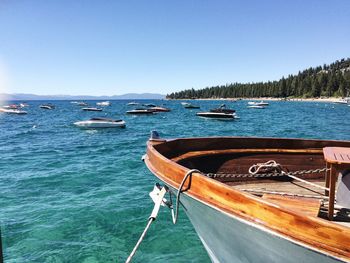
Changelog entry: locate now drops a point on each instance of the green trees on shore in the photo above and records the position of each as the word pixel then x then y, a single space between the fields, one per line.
pixel 323 81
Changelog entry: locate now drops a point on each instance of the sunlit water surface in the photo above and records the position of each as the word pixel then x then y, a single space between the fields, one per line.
pixel 73 195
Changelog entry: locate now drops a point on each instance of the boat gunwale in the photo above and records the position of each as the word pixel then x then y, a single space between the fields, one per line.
pixel 155 160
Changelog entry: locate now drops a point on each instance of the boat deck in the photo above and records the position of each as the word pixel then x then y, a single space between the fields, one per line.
pixel 296 196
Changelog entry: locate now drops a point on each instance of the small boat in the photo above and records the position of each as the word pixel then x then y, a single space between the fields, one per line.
pixel 259 199
pixel 82 103
pixel 13 111
pixel 23 104
pixel 141 111
pixel 256 103
pixel 256 107
pixel 101 123
pixel 220 113
pixel 48 106
pixel 74 102
pixel 12 106
pixel 91 109
pixel 189 105
pixel 103 103
pixel 160 109
pixel 343 101
pixel 149 105
pixel 133 103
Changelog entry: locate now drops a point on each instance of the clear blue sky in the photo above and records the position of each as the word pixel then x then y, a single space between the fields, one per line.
pixel 115 47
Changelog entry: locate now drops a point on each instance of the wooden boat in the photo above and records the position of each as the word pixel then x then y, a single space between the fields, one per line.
pixel 266 215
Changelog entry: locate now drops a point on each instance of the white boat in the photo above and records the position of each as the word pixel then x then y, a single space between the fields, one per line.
pixel 245 209
pixel 133 103
pixel 12 106
pixel 343 101
pixel 101 123
pixel 256 103
pixel 13 111
pixel 141 111
pixel 23 104
pixel 220 113
pixel 91 109
pixel 103 103
pixel 82 103
pixel 47 106
pixel 256 107
pixel 217 116
pixel 188 105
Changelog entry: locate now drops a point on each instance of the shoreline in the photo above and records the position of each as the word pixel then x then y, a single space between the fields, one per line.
pixel 328 99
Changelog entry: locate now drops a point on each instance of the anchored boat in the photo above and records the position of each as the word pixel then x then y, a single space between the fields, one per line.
pixel 91 109
pixel 188 105
pixel 260 199
pixel 103 103
pixel 221 113
pixel 48 106
pixel 141 111
pixel 255 103
pixel 160 109
pixel 100 123
pixel 13 111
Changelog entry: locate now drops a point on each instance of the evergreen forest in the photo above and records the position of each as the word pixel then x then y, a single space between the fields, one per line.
pixel 331 80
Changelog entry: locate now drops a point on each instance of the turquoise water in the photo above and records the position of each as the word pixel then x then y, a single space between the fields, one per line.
pixel 73 195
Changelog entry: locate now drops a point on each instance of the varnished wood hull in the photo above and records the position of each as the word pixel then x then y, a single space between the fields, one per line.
pixel 235 226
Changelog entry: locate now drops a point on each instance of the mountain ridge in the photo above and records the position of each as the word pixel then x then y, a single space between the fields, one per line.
pixel 127 96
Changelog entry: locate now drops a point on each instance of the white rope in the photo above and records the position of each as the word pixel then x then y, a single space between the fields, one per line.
pixel 254 169
pixel 152 217
pixel 307 182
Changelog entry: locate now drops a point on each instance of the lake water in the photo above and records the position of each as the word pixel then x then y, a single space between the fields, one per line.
pixel 74 195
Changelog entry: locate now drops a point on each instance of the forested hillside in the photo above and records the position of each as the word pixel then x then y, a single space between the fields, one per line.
pixel 328 80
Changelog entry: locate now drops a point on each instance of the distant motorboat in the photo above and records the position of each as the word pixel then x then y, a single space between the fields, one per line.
pixel 343 101
pixel 149 105
pixel 141 111
pixel 133 103
pixel 82 103
pixel 91 109
pixel 261 103
pixel 256 107
pixel 220 113
pixel 103 103
pixel 188 105
pixel 74 102
pixel 160 109
pixel 13 111
pixel 101 123
pixel 48 106
pixel 23 104
pixel 12 106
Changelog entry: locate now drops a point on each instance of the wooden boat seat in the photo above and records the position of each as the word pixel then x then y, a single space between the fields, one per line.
pixel 307 206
